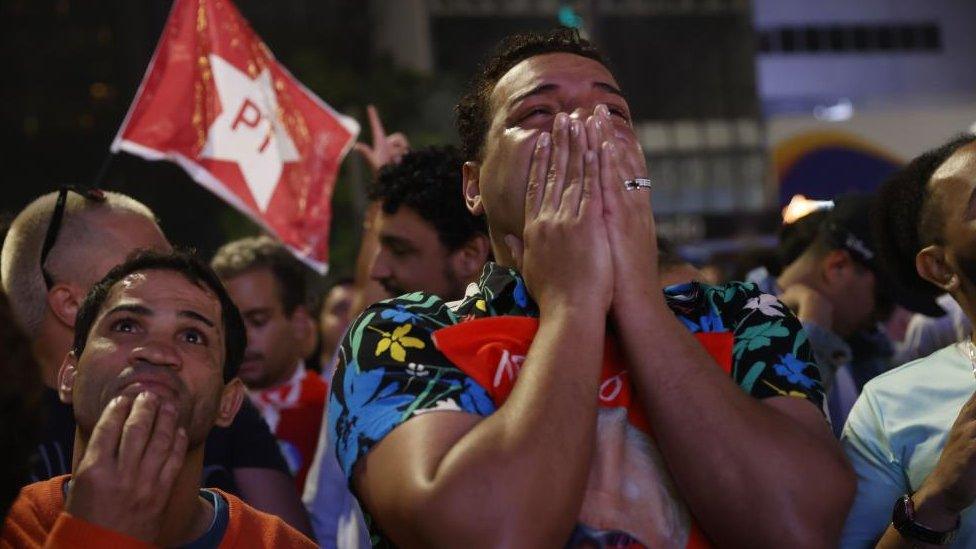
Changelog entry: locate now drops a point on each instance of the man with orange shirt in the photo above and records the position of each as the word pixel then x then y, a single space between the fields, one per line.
pixel 152 369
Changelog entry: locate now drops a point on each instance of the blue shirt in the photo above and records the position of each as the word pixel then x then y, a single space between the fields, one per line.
pixel 895 434
pixel 391 369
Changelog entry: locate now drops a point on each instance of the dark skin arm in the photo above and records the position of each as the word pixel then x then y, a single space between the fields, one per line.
pixel 452 479
pixel 950 488
pixel 385 149
pixel 722 446
pixel 517 477
pixel 366 290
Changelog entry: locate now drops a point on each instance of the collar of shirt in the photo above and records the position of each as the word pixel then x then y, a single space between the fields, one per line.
pixel 283 395
pixel 501 291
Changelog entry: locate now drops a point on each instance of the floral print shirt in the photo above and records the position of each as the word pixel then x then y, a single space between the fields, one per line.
pixel 391 369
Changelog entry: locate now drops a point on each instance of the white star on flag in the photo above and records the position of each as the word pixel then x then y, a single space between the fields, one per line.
pixel 248 130
pixel 217 103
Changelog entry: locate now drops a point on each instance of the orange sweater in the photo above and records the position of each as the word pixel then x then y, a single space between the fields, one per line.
pixel 38 519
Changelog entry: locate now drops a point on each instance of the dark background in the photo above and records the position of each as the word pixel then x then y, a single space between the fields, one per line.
pixel 73 67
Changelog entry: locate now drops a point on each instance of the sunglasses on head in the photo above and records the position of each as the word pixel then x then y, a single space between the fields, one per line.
pixel 57 217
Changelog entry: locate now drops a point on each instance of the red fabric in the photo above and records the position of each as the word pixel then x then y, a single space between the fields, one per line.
pixel 37 519
pixel 491 351
pixel 297 412
pixel 272 152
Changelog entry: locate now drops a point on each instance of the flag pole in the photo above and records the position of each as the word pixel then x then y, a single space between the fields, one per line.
pixel 103 171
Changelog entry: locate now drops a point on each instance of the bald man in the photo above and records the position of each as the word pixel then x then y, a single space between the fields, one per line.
pixel 97 230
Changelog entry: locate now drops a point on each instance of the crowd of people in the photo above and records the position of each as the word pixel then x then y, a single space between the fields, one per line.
pixel 518 359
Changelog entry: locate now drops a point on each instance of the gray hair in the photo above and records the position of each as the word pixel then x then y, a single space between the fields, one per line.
pixel 78 239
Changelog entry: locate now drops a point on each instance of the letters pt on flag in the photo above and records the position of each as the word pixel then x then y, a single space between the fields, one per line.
pixel 216 101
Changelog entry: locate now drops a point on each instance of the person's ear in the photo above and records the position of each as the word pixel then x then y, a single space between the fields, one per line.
pixel 471 176
pixel 931 264
pixel 471 257
pixel 66 378
pixel 835 267
pixel 64 301
pixel 231 399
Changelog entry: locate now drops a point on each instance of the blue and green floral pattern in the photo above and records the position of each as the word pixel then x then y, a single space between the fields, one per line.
pixel 390 370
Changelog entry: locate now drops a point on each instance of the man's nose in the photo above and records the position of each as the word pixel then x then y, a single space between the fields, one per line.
pixel 581 113
pixel 380 269
pixel 158 352
pixel 252 332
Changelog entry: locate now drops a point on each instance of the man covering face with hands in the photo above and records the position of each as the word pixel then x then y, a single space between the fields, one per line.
pixel 152 370
pixel 566 400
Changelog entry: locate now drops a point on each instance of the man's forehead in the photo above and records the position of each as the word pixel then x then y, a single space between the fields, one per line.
pixel 546 69
pixel 406 225
pixel 256 287
pixel 340 291
pixel 961 163
pixel 338 294
pixel 164 288
pixel 956 175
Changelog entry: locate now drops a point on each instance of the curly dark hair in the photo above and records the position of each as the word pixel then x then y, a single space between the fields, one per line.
pixel 905 221
pixel 428 181
pixel 191 267
pixel 20 404
pixel 473 114
pixel 254 252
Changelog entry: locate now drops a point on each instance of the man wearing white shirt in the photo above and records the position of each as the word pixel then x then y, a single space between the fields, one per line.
pixel 910 434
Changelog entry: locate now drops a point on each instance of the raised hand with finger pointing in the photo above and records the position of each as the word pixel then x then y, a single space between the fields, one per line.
pixel 385 149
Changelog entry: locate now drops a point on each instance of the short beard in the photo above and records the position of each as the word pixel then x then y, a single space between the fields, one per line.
pixel 967 264
pixel 391 289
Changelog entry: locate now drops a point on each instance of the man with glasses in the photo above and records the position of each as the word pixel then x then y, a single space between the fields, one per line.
pixel 56 249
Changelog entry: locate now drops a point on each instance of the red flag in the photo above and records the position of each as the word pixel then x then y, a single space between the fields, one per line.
pixel 215 101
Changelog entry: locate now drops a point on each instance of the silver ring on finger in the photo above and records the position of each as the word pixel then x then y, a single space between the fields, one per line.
pixel 637 183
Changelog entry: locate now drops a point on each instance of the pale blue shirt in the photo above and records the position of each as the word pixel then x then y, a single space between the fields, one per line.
pixel 895 434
